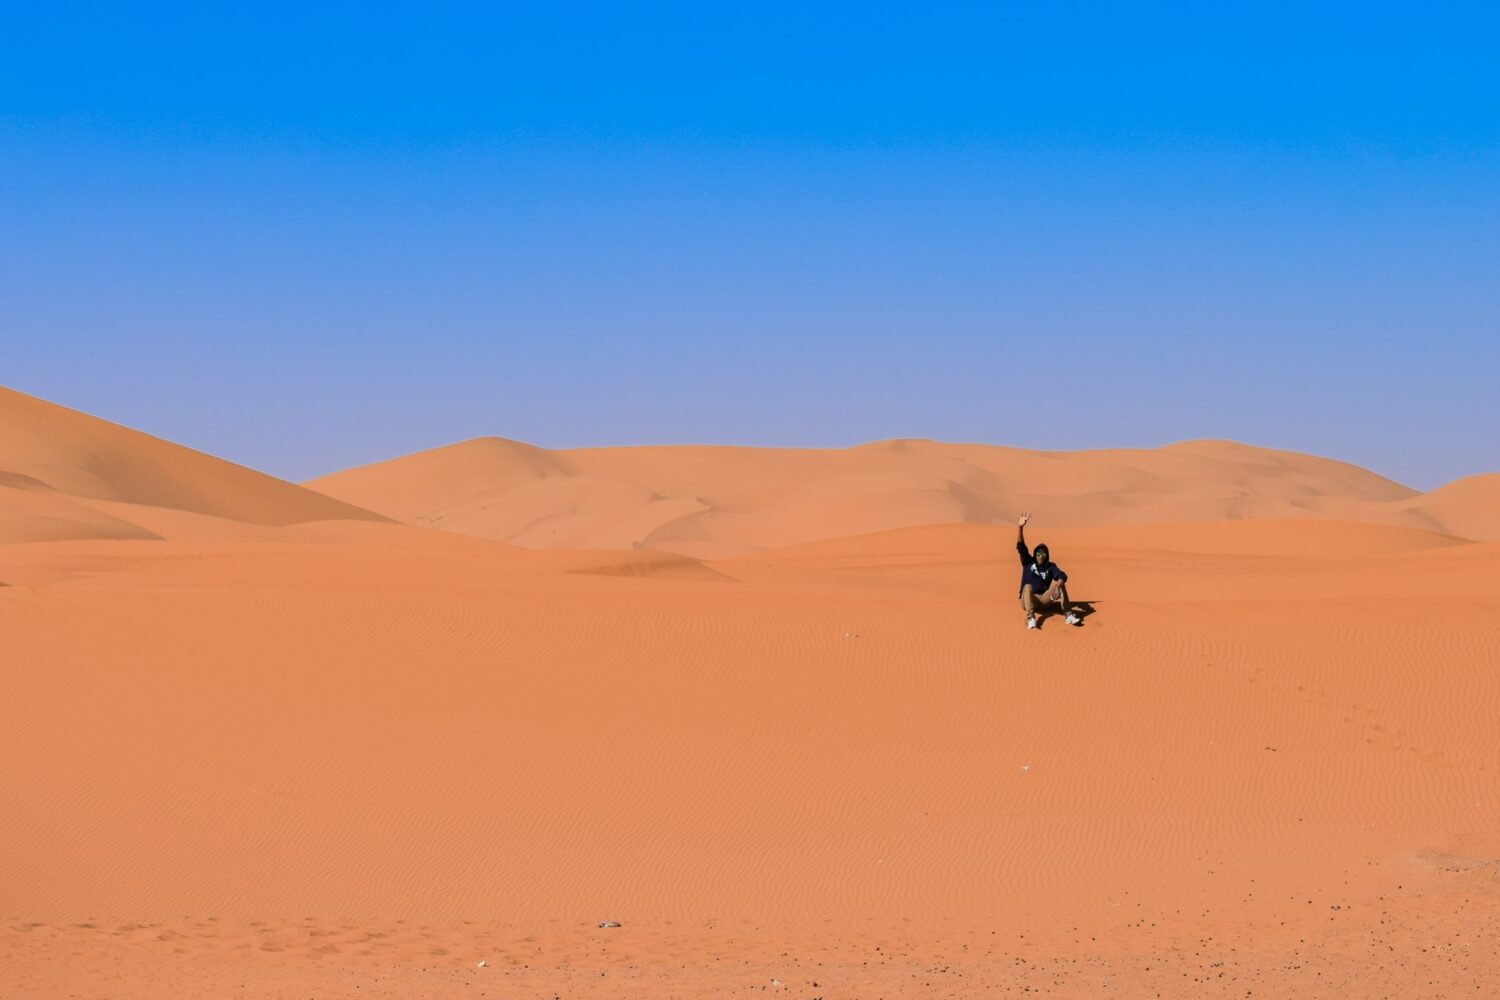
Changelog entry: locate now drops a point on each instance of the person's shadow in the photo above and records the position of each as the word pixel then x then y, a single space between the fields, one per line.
pixel 1084 609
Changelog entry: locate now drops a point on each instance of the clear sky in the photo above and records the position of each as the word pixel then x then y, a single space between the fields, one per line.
pixel 306 239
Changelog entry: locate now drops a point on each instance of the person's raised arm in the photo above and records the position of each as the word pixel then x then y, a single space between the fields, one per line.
pixel 1021 538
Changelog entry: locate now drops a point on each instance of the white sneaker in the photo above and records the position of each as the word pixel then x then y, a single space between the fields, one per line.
pixel 1073 619
pixel 1031 622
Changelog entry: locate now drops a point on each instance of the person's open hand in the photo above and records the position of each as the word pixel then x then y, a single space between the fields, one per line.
pixel 1024 518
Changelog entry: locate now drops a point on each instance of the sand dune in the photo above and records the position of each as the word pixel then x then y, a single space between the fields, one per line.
pixel 56 462
pixel 712 502
pixel 1468 507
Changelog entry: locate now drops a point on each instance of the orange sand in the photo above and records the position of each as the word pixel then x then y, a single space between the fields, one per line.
pixel 274 748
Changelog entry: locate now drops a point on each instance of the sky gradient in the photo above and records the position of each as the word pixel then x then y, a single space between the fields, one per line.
pixel 309 240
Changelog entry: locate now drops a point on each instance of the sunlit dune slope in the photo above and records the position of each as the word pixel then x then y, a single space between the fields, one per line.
pixel 64 474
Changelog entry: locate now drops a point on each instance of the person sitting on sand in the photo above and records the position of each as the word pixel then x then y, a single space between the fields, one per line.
pixel 1043 582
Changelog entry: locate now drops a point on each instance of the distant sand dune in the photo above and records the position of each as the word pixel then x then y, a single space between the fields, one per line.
pixel 713 502
pixel 66 460
pixel 1468 507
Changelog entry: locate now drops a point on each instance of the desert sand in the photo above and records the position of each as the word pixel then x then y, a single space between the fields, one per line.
pixel 773 711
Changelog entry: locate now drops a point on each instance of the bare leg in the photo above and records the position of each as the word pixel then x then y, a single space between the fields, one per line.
pixel 1028 601
pixel 1061 597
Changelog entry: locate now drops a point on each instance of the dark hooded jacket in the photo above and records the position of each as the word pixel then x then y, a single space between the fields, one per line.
pixel 1040 577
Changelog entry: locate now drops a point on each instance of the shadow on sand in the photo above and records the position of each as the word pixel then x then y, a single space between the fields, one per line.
pixel 1085 611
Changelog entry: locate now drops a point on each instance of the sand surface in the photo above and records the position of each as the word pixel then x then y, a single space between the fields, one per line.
pixel 294 755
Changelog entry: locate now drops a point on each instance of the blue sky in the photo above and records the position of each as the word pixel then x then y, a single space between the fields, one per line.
pixel 306 239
